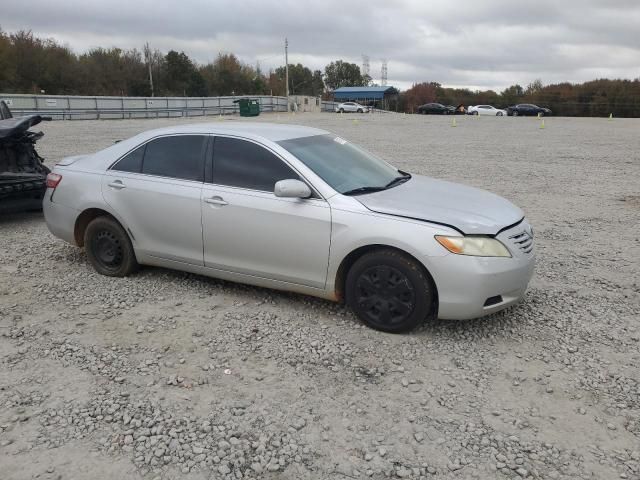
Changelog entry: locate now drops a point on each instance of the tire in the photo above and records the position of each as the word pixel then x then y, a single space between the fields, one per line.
pixel 499 114
pixel 541 114
pixel 342 110
pixel 389 291
pixel 475 113
pixel 515 113
pixel 360 110
pixel 109 248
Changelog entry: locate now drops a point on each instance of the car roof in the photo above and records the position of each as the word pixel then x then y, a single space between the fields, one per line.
pixel 274 132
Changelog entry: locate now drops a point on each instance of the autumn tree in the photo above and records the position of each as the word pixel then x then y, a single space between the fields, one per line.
pixel 419 94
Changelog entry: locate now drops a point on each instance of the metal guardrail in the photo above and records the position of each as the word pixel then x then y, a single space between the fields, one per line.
pixel 63 107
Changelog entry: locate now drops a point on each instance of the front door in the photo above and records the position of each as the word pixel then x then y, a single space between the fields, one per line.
pixel 248 230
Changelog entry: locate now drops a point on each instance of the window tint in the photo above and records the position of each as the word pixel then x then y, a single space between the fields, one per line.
pixel 178 156
pixel 243 164
pixel 131 162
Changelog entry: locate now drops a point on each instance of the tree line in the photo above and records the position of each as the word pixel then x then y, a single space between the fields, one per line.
pixel 595 98
pixel 29 64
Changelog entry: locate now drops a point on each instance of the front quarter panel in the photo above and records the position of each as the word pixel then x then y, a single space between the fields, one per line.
pixel 353 227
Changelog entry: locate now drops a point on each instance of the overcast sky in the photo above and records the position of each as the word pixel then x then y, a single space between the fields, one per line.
pixel 471 43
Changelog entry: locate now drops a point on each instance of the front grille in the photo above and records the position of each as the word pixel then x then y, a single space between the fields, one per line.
pixel 523 241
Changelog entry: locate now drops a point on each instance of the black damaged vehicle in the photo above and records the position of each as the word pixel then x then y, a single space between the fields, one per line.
pixel 23 175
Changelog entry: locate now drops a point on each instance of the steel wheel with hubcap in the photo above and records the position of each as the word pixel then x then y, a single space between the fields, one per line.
pixel 108 248
pixel 390 291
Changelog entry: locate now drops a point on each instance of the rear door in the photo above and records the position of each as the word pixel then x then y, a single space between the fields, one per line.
pixel 248 230
pixel 155 190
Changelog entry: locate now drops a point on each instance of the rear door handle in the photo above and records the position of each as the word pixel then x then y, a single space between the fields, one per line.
pixel 117 184
pixel 216 201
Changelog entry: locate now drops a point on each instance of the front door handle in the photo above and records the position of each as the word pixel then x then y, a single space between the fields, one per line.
pixel 117 184
pixel 216 201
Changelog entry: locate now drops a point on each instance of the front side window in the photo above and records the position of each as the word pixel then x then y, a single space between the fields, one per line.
pixel 243 164
pixel 179 156
pixel 342 165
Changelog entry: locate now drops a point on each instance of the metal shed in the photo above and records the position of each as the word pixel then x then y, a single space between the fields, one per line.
pixel 373 96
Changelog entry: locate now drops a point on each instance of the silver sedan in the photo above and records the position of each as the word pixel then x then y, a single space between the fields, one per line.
pixel 298 209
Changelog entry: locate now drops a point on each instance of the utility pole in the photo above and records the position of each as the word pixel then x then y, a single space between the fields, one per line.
pixel 147 55
pixel 286 70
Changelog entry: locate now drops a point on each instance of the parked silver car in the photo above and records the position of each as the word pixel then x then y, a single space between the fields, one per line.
pixel 351 107
pixel 294 208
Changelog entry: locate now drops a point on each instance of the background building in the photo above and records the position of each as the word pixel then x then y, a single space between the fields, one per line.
pixel 378 97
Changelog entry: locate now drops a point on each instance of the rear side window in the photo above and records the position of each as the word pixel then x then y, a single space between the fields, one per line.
pixel 179 156
pixel 238 163
pixel 131 162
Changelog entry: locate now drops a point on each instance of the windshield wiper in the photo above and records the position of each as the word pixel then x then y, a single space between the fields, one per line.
pixel 398 180
pixel 359 190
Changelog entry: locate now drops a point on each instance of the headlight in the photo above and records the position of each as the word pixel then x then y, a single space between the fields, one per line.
pixel 475 246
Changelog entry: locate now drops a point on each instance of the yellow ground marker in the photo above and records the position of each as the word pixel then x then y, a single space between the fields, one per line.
pixel 541 122
pixel 611 116
pixel 453 122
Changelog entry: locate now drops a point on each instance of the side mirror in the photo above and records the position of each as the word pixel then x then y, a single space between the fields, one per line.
pixel 292 189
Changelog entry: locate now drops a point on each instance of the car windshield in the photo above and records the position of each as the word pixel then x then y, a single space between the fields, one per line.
pixel 348 169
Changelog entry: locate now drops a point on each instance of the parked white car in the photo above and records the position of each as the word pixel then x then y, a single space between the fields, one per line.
pixel 486 110
pixel 294 208
pixel 351 107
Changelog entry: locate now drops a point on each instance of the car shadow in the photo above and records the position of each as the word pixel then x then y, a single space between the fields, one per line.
pixel 17 216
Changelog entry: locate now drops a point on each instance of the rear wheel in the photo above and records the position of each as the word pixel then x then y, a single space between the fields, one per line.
pixel 342 110
pixel 108 248
pixel 475 113
pixel 389 291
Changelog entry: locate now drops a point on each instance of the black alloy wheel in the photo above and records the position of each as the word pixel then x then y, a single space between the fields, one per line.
pixel 389 291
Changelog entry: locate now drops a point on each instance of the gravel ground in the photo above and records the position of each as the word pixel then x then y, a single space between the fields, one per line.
pixel 166 375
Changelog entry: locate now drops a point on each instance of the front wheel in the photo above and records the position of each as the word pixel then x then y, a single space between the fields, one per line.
pixel 108 247
pixel 499 114
pixel 515 113
pixel 389 291
pixel 360 110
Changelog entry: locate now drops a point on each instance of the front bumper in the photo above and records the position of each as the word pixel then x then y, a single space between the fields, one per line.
pixel 472 287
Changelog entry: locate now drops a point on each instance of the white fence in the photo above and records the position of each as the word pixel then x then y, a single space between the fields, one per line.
pixel 66 107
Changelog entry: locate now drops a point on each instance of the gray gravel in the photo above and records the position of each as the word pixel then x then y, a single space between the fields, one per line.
pixel 167 375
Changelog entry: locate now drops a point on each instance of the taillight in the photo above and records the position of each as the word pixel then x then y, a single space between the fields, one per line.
pixel 53 179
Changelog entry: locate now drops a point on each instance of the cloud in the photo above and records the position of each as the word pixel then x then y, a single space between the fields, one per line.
pixel 488 44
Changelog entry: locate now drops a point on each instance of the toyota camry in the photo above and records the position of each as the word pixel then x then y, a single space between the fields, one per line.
pixel 294 208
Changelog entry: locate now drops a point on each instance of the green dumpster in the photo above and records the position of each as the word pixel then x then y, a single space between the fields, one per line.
pixel 249 107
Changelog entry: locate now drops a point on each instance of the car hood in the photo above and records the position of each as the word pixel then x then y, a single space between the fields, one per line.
pixel 469 210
